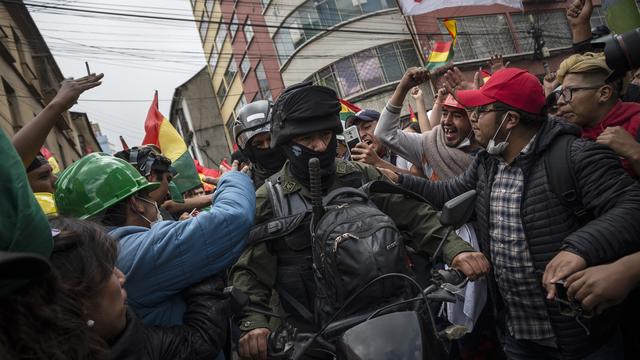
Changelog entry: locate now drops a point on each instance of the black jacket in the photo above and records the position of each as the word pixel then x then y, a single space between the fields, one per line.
pixel 200 337
pixel 607 192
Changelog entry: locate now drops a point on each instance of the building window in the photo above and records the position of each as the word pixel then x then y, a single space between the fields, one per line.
pixel 368 69
pixel 242 102
pixel 313 16
pixel 556 29
pixel 245 65
pixel 220 36
pixel 208 4
pixel 233 26
pixel 231 71
pixel 204 26
pixel 221 93
pixel 213 59
pixel 248 31
pixel 229 126
pixel 14 106
pixel 263 83
pixel 482 36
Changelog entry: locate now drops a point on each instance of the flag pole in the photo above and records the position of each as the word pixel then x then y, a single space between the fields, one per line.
pixel 416 43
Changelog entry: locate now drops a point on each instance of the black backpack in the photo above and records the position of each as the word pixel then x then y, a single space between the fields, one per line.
pixel 352 244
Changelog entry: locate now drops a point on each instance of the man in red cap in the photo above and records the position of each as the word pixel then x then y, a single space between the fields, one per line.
pixel 532 237
pixel 443 152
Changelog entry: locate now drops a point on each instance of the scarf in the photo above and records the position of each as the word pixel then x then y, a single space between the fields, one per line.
pixel 447 162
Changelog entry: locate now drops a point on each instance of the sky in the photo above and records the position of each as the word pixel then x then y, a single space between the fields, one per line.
pixel 136 55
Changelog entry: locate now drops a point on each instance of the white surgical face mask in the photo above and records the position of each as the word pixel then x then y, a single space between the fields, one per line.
pixel 497 149
pixel 466 142
pixel 158 215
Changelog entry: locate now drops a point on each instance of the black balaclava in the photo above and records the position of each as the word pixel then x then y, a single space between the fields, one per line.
pixel 268 159
pixel 299 157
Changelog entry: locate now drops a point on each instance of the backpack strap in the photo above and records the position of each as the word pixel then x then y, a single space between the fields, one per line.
pixel 274 228
pixel 562 177
pixel 301 309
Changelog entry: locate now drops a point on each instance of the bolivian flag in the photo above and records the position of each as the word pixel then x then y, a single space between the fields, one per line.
pixel 161 133
pixel 442 51
pixel 347 109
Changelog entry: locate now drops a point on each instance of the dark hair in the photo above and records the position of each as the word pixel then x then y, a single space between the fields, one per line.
pixel 46 320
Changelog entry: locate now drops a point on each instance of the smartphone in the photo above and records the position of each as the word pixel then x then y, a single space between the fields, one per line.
pixel 351 137
pixel 561 291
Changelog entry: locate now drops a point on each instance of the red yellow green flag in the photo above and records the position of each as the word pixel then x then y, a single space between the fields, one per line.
pixel 160 132
pixel 347 109
pixel 442 51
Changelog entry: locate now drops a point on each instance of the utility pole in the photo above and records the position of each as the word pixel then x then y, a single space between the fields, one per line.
pixel 540 51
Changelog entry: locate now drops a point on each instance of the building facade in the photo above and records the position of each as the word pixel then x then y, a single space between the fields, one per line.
pixel 195 115
pixel 103 141
pixel 241 57
pixel 361 48
pixel 30 79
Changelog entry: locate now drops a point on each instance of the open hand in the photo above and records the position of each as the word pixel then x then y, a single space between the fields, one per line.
pixel 70 91
pixel 454 80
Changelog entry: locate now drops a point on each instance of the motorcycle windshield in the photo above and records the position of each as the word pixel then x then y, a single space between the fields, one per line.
pixel 391 336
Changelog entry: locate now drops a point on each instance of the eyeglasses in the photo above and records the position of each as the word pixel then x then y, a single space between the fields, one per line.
pixel 567 92
pixel 477 111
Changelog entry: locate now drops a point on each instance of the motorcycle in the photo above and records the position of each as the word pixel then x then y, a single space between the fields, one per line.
pixel 405 329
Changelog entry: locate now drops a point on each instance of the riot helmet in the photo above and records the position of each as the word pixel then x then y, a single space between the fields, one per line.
pixel 253 119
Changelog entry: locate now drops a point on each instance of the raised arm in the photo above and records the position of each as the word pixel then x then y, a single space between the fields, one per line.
pixel 32 136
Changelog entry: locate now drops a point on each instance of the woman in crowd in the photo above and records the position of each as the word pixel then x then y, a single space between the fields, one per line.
pixel 80 310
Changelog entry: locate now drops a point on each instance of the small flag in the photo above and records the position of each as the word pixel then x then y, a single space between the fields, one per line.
pixel 442 51
pixel 347 109
pixel 161 133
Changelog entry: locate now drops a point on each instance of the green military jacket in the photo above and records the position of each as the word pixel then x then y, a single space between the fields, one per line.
pixel 255 271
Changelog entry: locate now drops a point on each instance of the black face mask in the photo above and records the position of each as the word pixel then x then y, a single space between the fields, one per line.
pixel 299 157
pixel 268 159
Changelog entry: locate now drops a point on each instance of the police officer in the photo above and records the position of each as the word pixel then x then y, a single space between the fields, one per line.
pixel 305 122
pixel 251 133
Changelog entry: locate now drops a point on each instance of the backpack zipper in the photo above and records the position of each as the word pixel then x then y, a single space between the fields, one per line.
pixel 342 238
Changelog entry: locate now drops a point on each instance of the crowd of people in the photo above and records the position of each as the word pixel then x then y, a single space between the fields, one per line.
pixel 106 260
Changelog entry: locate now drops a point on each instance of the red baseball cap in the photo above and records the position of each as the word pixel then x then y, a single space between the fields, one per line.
pixel 515 87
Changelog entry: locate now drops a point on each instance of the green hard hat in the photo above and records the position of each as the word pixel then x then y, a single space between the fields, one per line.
pixel 95 183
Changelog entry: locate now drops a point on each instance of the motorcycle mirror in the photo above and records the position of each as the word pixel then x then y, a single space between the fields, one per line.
pixel 457 211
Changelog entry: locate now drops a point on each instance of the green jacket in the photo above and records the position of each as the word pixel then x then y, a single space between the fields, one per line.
pixel 255 271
